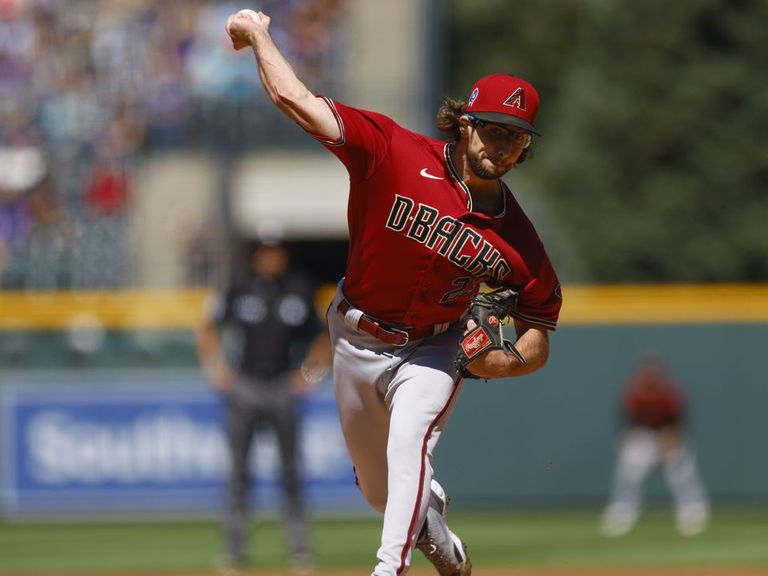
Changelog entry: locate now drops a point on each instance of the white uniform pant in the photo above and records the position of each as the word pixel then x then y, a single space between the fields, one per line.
pixel 641 453
pixel 393 403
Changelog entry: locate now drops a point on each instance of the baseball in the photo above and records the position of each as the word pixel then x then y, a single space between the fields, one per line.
pixel 251 14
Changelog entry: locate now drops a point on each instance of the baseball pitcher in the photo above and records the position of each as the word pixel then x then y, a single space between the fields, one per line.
pixel 430 222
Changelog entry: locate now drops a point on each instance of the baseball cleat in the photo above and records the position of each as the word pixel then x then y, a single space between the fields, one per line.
pixel 619 519
pixel 446 551
pixel 692 518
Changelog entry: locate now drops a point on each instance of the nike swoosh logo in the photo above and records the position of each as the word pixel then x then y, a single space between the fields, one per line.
pixel 426 174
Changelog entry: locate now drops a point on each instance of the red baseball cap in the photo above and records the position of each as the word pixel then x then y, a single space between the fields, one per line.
pixel 504 99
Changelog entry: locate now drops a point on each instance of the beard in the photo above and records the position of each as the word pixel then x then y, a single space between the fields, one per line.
pixel 484 171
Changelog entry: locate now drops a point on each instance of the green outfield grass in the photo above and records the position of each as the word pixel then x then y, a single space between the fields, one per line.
pixel 530 538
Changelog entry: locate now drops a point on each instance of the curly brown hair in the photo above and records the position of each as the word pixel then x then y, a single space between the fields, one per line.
pixel 448 118
pixel 447 122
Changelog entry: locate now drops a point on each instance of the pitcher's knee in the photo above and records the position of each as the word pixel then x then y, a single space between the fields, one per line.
pixel 374 498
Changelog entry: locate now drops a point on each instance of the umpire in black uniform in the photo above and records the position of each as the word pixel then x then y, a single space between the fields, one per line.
pixel 283 350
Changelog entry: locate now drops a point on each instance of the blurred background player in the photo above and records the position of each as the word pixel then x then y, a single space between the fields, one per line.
pixel 273 311
pixel 653 409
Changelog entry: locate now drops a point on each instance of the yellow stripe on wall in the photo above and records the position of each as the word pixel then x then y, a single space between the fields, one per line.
pixel 665 304
pixel 116 310
pixel 582 305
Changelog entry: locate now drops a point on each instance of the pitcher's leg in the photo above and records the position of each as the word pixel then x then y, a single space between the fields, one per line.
pixel 364 419
pixel 360 373
pixel 420 405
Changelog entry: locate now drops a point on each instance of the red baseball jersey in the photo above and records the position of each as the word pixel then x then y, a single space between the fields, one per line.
pixel 417 251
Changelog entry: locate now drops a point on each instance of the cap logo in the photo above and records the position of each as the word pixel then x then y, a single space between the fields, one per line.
pixel 473 97
pixel 517 99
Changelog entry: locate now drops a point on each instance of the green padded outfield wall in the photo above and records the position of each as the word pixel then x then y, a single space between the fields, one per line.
pixel 544 438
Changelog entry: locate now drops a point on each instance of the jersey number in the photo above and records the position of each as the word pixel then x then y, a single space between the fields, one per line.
pixel 465 286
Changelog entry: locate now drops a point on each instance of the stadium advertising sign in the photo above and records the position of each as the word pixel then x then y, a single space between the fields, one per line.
pixel 141 446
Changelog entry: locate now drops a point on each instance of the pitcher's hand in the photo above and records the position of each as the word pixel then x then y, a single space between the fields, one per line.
pixel 244 24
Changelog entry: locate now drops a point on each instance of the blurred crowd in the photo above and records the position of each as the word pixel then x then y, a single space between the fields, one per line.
pixel 90 87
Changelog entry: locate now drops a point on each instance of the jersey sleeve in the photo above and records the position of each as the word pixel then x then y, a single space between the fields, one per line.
pixel 532 274
pixel 364 141
pixel 541 299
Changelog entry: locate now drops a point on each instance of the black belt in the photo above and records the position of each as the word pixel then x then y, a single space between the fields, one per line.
pixel 386 332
